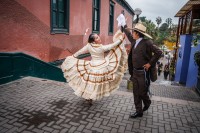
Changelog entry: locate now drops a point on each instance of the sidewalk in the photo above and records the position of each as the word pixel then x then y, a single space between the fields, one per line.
pixel 33 105
pixel 165 88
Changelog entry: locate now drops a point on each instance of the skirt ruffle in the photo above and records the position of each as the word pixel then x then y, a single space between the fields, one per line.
pixel 94 82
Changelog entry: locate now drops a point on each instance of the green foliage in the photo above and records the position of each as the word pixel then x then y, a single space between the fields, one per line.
pixel 195 25
pixel 158 21
pixel 164 27
pixel 165 32
pixel 143 19
pixel 169 22
pixel 196 38
pixel 197 58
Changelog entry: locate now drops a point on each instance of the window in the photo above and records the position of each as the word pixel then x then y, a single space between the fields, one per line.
pixel 188 21
pixel 111 18
pixel 196 21
pixel 96 16
pixel 196 26
pixel 59 16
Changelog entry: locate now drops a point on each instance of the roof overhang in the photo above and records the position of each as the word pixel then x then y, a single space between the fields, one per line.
pixel 186 8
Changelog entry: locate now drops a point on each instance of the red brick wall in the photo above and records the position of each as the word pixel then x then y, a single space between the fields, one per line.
pixel 105 20
pixel 21 31
pixel 25 27
pixel 39 8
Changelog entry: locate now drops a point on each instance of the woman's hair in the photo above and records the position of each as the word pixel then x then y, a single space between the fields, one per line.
pixel 139 34
pixel 91 38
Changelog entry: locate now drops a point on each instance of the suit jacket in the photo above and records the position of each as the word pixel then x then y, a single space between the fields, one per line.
pixel 145 52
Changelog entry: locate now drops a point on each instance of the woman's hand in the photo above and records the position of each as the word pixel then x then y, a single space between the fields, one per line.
pixel 122 37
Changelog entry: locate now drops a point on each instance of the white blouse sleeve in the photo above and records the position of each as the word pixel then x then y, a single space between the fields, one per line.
pixel 110 46
pixel 81 51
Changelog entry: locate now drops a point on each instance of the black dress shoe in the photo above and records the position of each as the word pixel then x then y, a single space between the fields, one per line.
pixel 89 101
pixel 136 114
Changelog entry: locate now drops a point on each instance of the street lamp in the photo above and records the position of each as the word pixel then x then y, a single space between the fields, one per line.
pixel 137 12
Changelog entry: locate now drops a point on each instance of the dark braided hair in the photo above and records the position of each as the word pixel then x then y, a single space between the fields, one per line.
pixel 91 38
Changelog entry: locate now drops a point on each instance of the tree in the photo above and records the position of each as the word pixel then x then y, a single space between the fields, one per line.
pixel 162 33
pixel 164 27
pixel 195 25
pixel 169 22
pixel 143 19
pixel 150 27
pixel 158 20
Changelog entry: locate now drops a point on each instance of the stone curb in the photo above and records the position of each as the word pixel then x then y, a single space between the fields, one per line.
pixel 163 99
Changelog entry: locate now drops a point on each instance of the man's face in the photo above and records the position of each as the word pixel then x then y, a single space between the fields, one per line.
pixel 135 35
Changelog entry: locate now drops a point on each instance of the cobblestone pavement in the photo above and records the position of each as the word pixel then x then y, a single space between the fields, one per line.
pixel 164 88
pixel 168 91
pixel 32 105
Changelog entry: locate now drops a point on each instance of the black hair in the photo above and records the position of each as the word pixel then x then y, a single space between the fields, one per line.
pixel 139 34
pixel 91 38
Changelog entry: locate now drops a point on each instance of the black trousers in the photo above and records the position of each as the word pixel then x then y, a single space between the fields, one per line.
pixel 141 83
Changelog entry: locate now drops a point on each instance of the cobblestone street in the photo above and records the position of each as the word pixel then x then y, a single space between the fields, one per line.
pixel 105 50
pixel 32 105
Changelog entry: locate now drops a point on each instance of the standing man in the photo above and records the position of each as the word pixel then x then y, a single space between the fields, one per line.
pixel 142 57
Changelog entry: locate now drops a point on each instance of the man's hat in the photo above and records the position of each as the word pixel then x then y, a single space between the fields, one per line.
pixel 141 28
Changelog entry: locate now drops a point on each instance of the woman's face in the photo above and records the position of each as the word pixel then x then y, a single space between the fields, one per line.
pixel 97 39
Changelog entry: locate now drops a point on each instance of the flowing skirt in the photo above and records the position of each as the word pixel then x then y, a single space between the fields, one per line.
pixel 94 82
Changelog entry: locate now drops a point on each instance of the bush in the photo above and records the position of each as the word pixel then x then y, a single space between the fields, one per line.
pixel 197 58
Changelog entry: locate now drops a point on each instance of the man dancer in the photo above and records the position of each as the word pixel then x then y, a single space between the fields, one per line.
pixel 142 57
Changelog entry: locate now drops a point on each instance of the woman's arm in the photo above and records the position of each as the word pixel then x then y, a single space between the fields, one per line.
pixel 110 46
pixel 81 51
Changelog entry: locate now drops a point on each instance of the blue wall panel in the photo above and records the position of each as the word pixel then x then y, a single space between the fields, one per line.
pixel 183 59
pixel 193 69
pixel 178 65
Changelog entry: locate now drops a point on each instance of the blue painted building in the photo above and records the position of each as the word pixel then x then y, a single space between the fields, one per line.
pixel 186 71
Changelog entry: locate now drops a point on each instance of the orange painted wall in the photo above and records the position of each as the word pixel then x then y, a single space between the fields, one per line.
pixel 25 27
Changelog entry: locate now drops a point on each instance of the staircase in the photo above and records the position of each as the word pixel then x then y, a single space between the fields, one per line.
pixel 17 65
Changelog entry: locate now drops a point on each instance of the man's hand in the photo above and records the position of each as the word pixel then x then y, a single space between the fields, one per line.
pixel 131 77
pixel 147 66
pixel 121 20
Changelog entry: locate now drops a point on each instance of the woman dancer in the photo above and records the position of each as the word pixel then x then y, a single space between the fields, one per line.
pixel 101 75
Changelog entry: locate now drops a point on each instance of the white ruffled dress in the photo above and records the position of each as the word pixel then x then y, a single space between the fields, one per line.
pixel 101 75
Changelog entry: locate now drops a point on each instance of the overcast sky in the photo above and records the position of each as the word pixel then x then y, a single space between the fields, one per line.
pixel 154 8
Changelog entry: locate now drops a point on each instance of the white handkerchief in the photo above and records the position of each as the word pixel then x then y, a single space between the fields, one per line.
pixel 121 20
